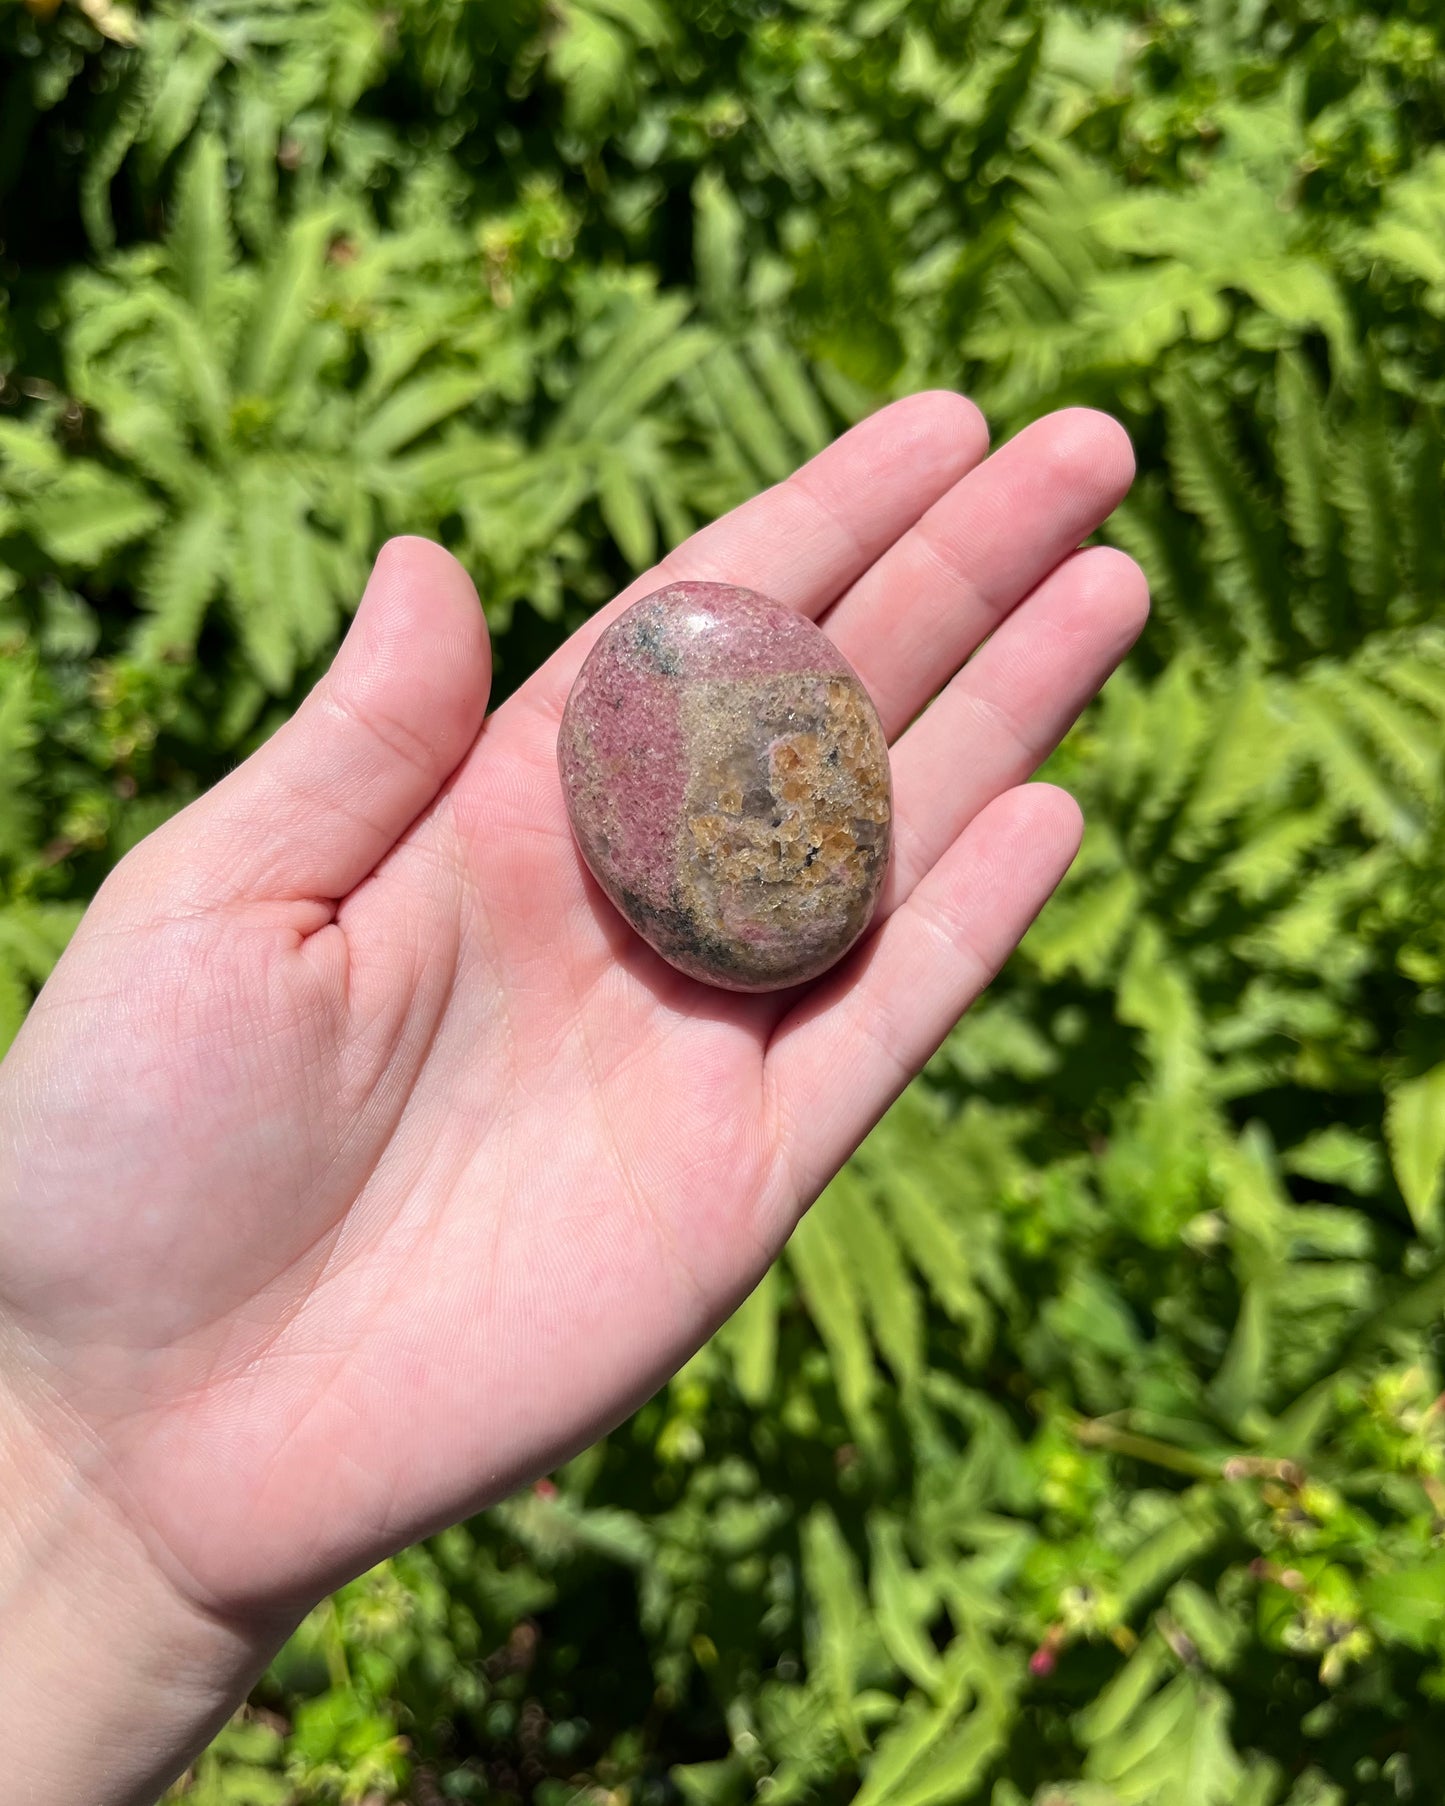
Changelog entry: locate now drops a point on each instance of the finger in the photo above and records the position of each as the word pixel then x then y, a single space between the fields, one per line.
pixel 911 620
pixel 805 540
pixel 312 812
pixel 847 1049
pixel 1006 710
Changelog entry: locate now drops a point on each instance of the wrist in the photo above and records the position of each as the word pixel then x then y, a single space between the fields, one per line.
pixel 112 1680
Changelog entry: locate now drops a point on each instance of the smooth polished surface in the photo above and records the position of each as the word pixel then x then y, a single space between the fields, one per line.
pixel 727 780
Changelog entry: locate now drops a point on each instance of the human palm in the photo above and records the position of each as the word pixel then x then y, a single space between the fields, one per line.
pixel 357 1163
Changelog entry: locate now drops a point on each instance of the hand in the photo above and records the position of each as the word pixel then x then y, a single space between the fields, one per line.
pixel 359 1163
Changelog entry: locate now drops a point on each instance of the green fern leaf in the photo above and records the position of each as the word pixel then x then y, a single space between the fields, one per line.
pixel 643 360
pixel 830 1294
pixel 1406 741
pixel 741 409
pixel 199 246
pixel 719 233
pixel 1348 767
pixel 1261 1782
pixel 200 365
pixel 281 608
pixel 1424 484
pixel 89 512
pixel 1256 748
pixel 32 937
pixel 884 1283
pixel 625 509
pixel 109 150
pixel 284 305
pixel 1363 485
pixel 1211 481
pixel 936 1245
pixel 153 439
pixel 941 1757
pixel 1415 1135
pixel 1335 1155
pixel 1214 1632
pixel 1114 1708
pixel 1083 928
pixel 841 1634
pixel 14 1004
pixel 189 64
pixel 29 457
pixel 1301 450
pixel 1419 676
pixel 1410 231
pixel 182 578
pixel 1194 1529
pixel 1238 1387
pixel 414 408
pixel 18 735
pixel 1177 1748
pixel 790 391
pixel 750 1339
pixel 905 1603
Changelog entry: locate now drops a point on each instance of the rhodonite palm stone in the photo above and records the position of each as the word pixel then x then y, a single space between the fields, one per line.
pixel 727 780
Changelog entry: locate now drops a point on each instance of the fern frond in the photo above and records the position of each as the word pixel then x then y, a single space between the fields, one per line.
pixel 284 302
pixel 199 246
pixel 1299 446
pixel 1363 486
pixel 88 512
pixel 1211 481
pixel 739 408
pixel 182 577
pixel 1424 516
pixel 831 1296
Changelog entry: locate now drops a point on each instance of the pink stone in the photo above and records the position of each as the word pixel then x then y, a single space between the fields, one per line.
pixel 727 780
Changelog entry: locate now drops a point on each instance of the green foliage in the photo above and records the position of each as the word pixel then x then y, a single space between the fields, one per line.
pixel 1085 1445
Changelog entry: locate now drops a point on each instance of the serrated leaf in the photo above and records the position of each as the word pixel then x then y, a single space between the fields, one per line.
pixel 1194 1529
pixel 647 354
pixel 283 306
pixel 831 1297
pixel 1083 928
pixel 739 405
pixel 790 389
pixel 281 605
pixel 1116 1705
pixel 414 408
pixel 182 578
pixel 626 510
pixel 890 1297
pixel 750 1337
pixel 840 1632
pixel 1415 1135
pixel 199 245
pixel 1301 447
pixel 187 67
pixel 904 1602
pixel 91 511
pixel 718 237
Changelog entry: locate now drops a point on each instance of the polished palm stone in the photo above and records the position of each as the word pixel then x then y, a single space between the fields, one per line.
pixel 727 780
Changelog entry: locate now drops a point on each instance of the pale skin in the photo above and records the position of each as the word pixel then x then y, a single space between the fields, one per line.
pixel 358 1164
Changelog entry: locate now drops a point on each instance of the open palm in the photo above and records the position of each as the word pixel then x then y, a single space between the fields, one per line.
pixel 358 1162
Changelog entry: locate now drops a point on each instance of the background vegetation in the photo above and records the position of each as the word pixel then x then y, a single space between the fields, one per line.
pixel 1087 1445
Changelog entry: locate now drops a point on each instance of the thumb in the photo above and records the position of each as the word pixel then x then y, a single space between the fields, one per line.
pixel 316 808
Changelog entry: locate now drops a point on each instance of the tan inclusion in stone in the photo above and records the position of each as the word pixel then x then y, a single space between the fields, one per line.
pixel 727 780
pixel 787 815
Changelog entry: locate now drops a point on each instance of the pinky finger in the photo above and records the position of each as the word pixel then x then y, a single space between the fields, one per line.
pixel 841 1056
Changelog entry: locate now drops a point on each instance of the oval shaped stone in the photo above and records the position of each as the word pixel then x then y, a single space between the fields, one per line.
pixel 727 780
